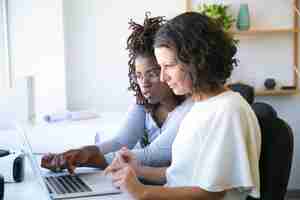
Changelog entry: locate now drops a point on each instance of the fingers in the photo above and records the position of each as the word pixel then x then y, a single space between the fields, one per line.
pixel 46 159
pixel 123 157
pixel 114 166
pixel 124 178
pixel 57 163
pixel 51 161
pixel 117 164
pixel 70 167
pixel 71 160
pixel 124 148
pixel 67 160
pixel 119 177
pixel 126 154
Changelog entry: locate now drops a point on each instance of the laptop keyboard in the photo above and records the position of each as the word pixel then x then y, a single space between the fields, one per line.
pixel 66 184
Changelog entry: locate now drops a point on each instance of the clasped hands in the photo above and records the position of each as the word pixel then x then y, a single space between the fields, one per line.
pixel 124 170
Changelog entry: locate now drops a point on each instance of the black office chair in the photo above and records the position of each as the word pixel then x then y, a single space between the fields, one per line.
pixel 246 91
pixel 264 110
pixel 277 147
pixel 1 187
pixel 276 155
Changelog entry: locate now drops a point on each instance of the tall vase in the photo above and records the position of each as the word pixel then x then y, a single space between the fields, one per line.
pixel 243 19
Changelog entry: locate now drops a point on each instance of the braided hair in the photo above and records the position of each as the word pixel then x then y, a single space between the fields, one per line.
pixel 140 43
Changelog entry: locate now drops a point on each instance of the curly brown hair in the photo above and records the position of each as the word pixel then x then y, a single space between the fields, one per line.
pixel 140 43
pixel 202 46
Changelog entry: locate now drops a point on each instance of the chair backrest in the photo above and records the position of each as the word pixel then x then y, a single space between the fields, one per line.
pixel 246 91
pixel 264 110
pixel 276 156
pixel 277 147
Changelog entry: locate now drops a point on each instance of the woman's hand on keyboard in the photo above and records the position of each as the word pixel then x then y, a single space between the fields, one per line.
pixel 53 162
pixel 89 156
pixel 68 160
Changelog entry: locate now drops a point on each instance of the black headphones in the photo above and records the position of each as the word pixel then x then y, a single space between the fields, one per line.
pixel 1 187
pixel 12 165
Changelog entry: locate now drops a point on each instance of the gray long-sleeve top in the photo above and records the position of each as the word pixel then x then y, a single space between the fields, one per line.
pixel 137 121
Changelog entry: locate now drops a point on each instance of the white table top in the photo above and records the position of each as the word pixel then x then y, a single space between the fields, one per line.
pixel 56 137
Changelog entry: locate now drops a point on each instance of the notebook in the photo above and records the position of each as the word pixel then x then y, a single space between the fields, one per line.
pixel 86 181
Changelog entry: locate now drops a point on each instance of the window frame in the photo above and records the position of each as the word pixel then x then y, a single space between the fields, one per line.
pixel 6 79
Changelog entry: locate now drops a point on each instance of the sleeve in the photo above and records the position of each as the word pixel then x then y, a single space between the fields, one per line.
pixel 159 152
pixel 229 155
pixel 130 131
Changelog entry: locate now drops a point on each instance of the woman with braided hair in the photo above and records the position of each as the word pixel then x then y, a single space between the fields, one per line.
pixel 152 120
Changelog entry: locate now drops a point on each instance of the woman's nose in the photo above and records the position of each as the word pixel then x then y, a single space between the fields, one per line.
pixel 145 83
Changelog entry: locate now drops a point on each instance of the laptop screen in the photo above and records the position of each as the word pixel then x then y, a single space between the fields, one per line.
pixel 87 182
pixel 22 131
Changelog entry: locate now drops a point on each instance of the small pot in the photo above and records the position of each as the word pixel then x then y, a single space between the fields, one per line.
pixel 270 83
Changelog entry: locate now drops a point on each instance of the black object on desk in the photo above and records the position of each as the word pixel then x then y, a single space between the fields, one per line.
pixel 18 168
pixel 12 165
pixel 1 187
pixel 3 152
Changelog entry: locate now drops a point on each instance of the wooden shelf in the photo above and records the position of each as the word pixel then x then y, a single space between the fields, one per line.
pixel 276 92
pixel 290 31
pixel 263 31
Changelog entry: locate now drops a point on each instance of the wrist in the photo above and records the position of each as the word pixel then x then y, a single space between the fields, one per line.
pixel 95 157
pixel 139 171
pixel 79 162
pixel 140 192
pixel 144 193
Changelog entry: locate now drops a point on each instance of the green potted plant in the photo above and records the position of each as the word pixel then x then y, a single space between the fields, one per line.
pixel 219 12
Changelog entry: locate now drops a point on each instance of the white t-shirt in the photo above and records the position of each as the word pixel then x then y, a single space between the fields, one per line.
pixel 217 148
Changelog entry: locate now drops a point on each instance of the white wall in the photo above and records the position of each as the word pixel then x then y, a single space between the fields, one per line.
pixel 14 104
pixel 96 60
pixel 37 48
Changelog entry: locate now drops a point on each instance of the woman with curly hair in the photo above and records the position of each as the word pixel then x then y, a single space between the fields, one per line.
pixel 215 154
pixel 152 120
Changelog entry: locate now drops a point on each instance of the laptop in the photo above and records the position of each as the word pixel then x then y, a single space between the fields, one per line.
pixel 85 183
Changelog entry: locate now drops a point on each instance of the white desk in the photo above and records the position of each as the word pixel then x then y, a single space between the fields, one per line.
pixel 31 189
pixel 57 137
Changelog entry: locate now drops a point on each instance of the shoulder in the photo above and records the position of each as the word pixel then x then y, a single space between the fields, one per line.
pixel 232 103
pixel 134 105
pixel 135 109
pixel 184 107
pixel 235 113
pixel 223 106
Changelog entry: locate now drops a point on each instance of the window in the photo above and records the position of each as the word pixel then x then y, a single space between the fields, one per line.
pixel 5 70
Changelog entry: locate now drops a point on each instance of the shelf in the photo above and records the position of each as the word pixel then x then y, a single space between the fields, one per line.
pixel 270 30
pixel 292 31
pixel 276 92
